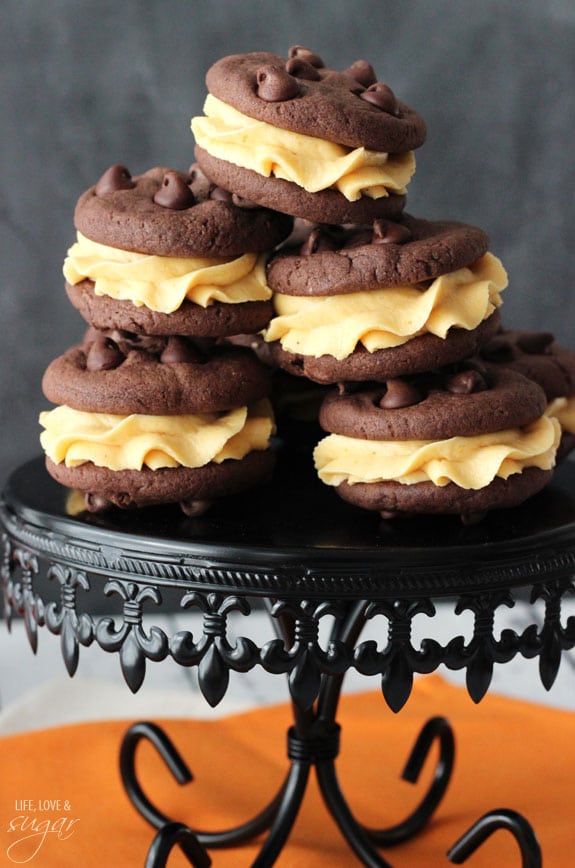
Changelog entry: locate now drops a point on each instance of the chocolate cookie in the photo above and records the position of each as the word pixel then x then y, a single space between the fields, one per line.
pixel 392 499
pixel 298 94
pixel 117 373
pixel 216 320
pixel 463 440
pixel 322 206
pixel 422 353
pixel 140 459
pixel 537 355
pixel 194 488
pixel 461 401
pixel 164 212
pixel 330 260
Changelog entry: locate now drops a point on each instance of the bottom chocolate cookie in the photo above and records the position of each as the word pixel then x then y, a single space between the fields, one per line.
pixel 422 353
pixel 194 488
pixel 192 319
pixel 394 499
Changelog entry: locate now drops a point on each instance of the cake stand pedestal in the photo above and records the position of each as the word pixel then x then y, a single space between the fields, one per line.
pixel 295 548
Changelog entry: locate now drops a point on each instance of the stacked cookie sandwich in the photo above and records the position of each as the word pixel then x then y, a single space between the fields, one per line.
pixel 390 310
pixel 151 408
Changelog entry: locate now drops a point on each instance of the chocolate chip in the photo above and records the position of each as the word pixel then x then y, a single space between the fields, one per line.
pixel 178 350
pixel 305 54
pixel 382 96
pixel 275 84
pixel 174 192
pixel 399 394
pixel 152 344
pixel 363 72
pixel 388 514
pixel 466 382
pixel 194 508
pixel 199 182
pixel 535 343
pixel 221 195
pixel 115 178
pixel 316 242
pixel 386 232
pixel 95 503
pixel 300 68
pixel 104 355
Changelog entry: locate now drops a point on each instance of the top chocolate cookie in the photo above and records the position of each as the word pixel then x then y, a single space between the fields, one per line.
pixel 458 401
pixel 300 94
pixel 165 212
pixel 330 260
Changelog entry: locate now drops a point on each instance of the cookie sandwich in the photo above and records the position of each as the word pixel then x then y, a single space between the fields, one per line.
pixel 363 303
pixel 461 441
pixel 169 253
pixel 142 421
pixel 300 138
pixel 538 356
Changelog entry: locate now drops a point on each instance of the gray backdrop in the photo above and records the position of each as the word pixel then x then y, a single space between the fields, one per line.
pixel 87 83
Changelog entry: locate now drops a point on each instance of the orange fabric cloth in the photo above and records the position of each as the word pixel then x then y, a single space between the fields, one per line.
pixel 509 754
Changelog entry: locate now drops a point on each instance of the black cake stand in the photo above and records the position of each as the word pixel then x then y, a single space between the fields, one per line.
pixel 293 547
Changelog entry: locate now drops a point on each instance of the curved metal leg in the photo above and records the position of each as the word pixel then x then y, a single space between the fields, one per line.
pixel 248 830
pixel 293 793
pixel 158 738
pixel 437 728
pixel 167 838
pixel 486 825
pixel 360 837
pixel 355 834
pixel 165 747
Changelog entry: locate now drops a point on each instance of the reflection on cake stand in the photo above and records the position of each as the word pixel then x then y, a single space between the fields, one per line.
pixel 294 548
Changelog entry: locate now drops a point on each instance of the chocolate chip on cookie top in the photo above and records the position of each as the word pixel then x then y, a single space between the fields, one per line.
pixel 121 373
pixel 334 260
pixel 299 93
pixel 165 212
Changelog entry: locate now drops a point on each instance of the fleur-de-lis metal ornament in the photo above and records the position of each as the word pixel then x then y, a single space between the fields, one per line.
pixel 214 655
pixel 304 658
pixel 22 596
pixel 483 651
pixel 74 629
pixel 399 660
pixel 553 638
pixel 130 638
